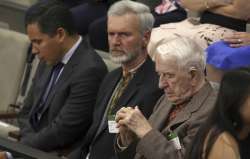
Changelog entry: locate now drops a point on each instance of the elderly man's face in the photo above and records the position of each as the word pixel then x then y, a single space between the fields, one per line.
pixel 125 40
pixel 47 48
pixel 175 82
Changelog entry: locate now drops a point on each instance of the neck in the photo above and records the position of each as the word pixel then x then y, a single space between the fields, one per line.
pixel 69 42
pixel 135 62
pixel 200 85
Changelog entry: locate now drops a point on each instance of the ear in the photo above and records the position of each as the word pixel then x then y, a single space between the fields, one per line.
pixel 146 38
pixel 193 74
pixel 61 34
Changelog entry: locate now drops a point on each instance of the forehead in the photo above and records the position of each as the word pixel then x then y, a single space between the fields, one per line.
pixel 127 22
pixel 166 63
pixel 34 32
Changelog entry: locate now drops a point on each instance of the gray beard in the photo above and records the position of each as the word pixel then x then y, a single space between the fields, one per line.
pixel 123 58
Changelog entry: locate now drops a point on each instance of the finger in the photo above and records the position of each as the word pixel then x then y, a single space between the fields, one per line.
pixel 123 122
pixel 122 109
pixel 231 40
pixel 137 109
pixel 120 115
pixel 236 45
pixel 239 34
pixel 234 41
pixel 234 36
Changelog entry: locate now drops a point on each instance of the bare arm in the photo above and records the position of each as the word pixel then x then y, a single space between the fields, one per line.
pixel 202 5
pixel 238 9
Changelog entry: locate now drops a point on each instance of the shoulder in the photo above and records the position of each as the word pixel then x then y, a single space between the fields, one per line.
pixel 205 98
pixel 225 147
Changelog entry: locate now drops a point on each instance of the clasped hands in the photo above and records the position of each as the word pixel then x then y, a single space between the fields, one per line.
pixel 131 123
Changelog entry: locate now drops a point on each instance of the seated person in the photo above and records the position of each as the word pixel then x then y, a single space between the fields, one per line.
pixel 203 34
pixel 222 58
pixel 178 113
pixel 218 23
pixel 59 106
pixel 134 83
pixel 228 125
pixel 232 14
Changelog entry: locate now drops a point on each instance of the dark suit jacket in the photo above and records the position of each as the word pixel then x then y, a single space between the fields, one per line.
pixel 142 91
pixel 154 145
pixel 69 107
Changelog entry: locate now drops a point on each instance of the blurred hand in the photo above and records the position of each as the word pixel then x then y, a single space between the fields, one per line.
pixel 238 39
pixel 134 120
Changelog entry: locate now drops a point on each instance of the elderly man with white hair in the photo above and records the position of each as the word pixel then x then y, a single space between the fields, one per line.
pixel 178 113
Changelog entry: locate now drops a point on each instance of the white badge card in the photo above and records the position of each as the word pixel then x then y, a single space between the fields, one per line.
pixel 174 139
pixel 112 124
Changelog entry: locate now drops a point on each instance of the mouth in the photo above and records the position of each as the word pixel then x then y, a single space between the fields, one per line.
pixel 168 93
pixel 117 52
pixel 39 56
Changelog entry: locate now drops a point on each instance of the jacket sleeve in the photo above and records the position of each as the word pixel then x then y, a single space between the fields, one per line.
pixel 155 144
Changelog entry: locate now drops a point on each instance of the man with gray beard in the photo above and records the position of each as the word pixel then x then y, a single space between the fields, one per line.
pixel 134 83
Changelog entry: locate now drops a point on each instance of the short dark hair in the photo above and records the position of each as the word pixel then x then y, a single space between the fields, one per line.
pixel 50 15
pixel 225 117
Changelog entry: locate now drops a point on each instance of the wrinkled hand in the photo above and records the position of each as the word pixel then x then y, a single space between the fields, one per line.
pixel 125 136
pixel 238 39
pixel 3 155
pixel 133 119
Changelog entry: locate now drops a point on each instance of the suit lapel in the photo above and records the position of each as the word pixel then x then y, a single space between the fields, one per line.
pixel 133 86
pixel 195 103
pixel 159 118
pixel 44 77
pixel 101 112
pixel 128 93
pixel 110 89
pixel 66 73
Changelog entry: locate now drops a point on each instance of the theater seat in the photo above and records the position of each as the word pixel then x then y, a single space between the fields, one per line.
pixel 13 52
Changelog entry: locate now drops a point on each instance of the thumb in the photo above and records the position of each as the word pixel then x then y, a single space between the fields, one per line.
pixel 137 109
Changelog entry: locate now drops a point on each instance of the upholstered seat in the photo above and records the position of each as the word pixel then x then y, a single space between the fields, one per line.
pixel 13 51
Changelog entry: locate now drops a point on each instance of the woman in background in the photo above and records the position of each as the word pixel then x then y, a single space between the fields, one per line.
pixel 232 14
pixel 226 131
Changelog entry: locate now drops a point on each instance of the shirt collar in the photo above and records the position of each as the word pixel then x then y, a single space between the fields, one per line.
pixel 71 51
pixel 133 70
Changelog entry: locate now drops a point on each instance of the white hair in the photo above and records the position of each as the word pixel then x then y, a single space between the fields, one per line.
pixel 146 19
pixel 188 54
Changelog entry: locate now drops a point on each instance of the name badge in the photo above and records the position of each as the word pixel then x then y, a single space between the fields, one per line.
pixel 174 139
pixel 112 124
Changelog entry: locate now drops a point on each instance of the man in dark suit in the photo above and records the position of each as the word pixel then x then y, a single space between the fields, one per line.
pixel 59 106
pixel 134 83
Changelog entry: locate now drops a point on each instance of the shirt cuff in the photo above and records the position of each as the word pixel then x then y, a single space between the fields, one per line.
pixel 9 155
pixel 120 147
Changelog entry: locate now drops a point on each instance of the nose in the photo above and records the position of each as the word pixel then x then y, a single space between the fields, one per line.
pixel 115 39
pixel 163 83
pixel 34 50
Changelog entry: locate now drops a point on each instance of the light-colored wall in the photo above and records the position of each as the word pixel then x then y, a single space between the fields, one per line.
pixel 12 13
